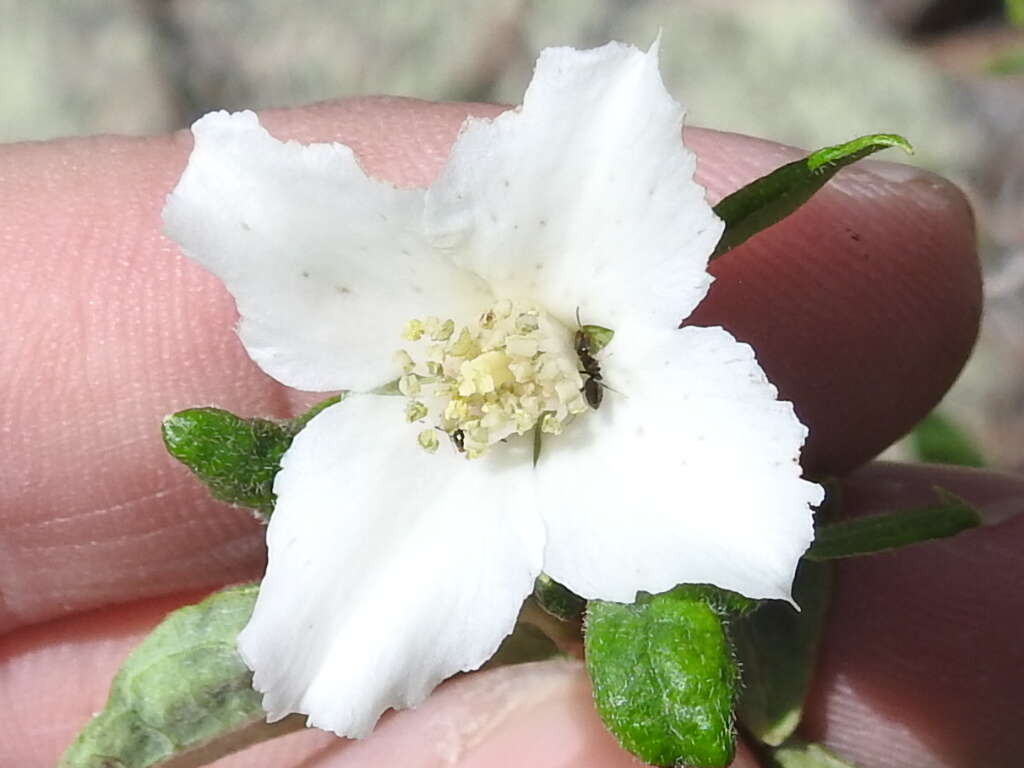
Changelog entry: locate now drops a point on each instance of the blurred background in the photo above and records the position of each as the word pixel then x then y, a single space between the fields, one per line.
pixel 948 74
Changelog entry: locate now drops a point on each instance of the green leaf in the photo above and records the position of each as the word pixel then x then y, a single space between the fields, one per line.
pixel 893 530
pixel 770 199
pixel 664 678
pixel 777 647
pixel 1015 12
pixel 1011 63
pixel 723 602
pixel 937 439
pixel 183 693
pixel 800 754
pixel 236 458
pixel 557 600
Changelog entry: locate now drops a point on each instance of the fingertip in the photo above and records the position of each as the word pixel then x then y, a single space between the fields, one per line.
pixel 863 305
pixel 402 140
pixel 921 658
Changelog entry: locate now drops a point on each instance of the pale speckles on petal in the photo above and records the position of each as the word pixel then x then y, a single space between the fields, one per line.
pixel 687 474
pixel 390 570
pixel 587 185
pixel 393 567
pixel 324 263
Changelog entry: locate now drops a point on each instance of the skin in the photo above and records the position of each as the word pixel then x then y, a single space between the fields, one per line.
pixel 863 307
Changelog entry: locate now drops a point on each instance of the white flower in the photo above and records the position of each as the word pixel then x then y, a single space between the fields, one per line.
pixel 400 555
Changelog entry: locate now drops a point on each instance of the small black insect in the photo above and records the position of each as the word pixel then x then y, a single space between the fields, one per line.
pixel 593 392
pixel 593 387
pixel 458 440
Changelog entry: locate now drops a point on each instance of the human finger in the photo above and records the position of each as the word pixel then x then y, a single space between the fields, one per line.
pixel 109 328
pixel 922 658
pixel 533 714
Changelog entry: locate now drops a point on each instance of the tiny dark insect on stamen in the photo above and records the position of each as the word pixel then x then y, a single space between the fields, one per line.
pixel 593 387
pixel 458 440
pixel 593 392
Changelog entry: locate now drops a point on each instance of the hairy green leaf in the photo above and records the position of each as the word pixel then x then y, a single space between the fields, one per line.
pixel 798 754
pixel 723 602
pixel 664 678
pixel 236 458
pixel 771 198
pixel 183 697
pixel 893 530
pixel 777 647
pixel 937 439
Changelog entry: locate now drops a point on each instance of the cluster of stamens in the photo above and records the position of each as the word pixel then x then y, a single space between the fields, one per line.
pixel 511 371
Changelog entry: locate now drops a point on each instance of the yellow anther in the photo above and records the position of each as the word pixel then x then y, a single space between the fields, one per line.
pixel 487 371
pixel 428 440
pixel 527 322
pixel 404 361
pixel 550 424
pixel 522 346
pixel 415 411
pixel 465 345
pixel 409 385
pixel 413 330
pixel 430 325
pixel 510 372
pixel 444 331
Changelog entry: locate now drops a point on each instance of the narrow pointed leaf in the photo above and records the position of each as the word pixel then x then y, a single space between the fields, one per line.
pixel 664 678
pixel 893 530
pixel 803 755
pixel 236 458
pixel 769 199
pixel 183 697
pixel 938 440
pixel 777 647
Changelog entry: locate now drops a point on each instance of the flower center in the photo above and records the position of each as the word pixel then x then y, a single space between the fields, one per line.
pixel 511 371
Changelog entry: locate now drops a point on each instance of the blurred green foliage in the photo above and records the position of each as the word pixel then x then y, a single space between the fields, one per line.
pixel 938 440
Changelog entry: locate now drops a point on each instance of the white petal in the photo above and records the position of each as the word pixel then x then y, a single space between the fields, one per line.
pixel 690 475
pixel 390 569
pixel 325 264
pixel 584 197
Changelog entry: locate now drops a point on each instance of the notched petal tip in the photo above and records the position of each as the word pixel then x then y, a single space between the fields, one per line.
pixel 325 263
pixel 337 632
pixel 714 493
pixel 545 201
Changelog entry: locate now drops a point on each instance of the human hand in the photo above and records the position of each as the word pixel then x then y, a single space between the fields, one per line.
pixel 862 307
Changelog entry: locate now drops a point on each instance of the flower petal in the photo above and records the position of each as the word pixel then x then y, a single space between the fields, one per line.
pixel 688 473
pixel 390 568
pixel 584 197
pixel 325 263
